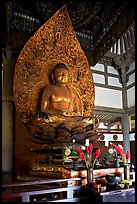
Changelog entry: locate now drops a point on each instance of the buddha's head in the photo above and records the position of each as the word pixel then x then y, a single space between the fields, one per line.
pixel 60 74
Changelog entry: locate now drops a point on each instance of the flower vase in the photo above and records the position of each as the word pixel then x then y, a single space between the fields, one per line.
pixel 117 162
pixel 127 172
pixel 89 176
pixel 127 175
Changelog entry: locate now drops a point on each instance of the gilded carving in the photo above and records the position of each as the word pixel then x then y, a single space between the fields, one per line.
pixel 54 43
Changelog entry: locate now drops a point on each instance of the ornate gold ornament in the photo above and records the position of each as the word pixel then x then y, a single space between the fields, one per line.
pixel 54 42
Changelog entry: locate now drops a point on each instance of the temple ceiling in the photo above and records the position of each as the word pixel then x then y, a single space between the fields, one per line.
pixel 98 25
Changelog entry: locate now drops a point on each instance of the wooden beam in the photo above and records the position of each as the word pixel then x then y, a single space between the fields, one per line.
pixel 108 110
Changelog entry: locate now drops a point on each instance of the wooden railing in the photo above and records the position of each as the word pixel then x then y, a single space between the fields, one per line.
pixel 126 42
pixel 57 190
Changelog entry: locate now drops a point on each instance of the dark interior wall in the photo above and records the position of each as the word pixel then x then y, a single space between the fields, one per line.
pixel 24 157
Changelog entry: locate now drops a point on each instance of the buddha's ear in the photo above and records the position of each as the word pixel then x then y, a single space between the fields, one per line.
pixel 52 78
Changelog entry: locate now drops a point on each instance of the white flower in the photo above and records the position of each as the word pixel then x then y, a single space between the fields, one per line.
pixel 111 151
pixel 83 147
pixel 67 152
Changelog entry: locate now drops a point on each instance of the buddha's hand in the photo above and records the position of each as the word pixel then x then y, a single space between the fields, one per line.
pixel 71 113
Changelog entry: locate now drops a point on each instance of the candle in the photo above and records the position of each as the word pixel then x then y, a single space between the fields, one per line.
pixel 106 143
pixel 87 143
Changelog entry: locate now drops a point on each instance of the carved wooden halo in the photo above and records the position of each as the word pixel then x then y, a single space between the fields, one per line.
pixel 54 42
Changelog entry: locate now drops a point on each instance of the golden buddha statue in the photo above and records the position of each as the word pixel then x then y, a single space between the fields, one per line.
pixel 53 84
pixel 59 98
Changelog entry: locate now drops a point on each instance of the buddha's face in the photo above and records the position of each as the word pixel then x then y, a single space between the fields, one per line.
pixel 61 75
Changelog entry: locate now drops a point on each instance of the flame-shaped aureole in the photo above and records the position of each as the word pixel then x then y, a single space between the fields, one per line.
pixel 53 42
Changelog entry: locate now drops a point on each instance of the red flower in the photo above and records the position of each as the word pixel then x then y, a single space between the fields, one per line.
pixel 87 158
pixel 97 154
pixel 120 146
pixel 82 157
pixel 119 150
pixel 81 153
pixel 78 150
pixel 128 155
pixel 89 148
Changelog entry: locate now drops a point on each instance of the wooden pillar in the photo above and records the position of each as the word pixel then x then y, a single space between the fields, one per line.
pixel 7 114
pixel 125 130
pixel 125 118
pixel 121 46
